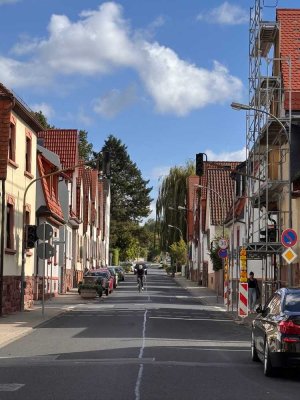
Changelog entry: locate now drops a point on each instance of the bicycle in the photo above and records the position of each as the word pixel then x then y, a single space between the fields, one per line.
pixel 140 283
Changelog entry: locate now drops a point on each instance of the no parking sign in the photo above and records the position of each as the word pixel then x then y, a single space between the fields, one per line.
pixel 289 238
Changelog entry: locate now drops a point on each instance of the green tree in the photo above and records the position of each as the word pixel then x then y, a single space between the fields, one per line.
pixel 178 252
pixel 115 256
pixel 85 148
pixel 42 119
pixel 130 196
pixel 173 193
pixel 130 200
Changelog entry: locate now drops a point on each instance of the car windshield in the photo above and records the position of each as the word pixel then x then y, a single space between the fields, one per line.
pixel 292 302
pixel 103 274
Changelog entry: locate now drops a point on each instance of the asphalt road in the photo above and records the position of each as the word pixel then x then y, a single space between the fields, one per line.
pixel 156 345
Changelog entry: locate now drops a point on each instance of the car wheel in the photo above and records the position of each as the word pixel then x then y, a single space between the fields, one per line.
pixel 254 356
pixel 268 369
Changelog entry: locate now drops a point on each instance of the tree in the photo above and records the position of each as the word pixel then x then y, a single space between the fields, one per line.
pixel 178 252
pixel 172 193
pixel 85 148
pixel 130 199
pixel 130 196
pixel 42 119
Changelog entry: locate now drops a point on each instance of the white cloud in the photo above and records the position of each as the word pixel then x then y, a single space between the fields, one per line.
pixel 227 14
pixel 179 87
pixel 46 109
pixel 115 101
pixel 8 1
pixel 237 155
pixel 101 41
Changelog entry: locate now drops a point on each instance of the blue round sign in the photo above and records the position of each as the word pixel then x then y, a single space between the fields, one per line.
pixel 223 253
pixel 289 238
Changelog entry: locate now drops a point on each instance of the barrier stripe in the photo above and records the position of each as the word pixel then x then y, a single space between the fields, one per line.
pixel 243 299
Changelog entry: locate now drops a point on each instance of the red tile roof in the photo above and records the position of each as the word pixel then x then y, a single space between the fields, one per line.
pixel 63 142
pixel 221 194
pixel 289 46
pixel 216 178
pixel 52 202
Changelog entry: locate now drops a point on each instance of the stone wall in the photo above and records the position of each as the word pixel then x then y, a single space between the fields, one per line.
pixel 12 293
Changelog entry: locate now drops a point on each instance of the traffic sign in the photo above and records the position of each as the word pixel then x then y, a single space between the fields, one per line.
pixel 289 255
pixel 45 251
pixel 289 238
pixel 223 243
pixel 44 232
pixel 223 253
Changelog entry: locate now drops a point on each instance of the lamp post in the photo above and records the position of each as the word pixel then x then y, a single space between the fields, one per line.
pixel 238 107
pixel 180 231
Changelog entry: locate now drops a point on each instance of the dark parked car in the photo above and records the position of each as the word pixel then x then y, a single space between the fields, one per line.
pixel 121 273
pixel 93 278
pixel 275 336
pixel 101 275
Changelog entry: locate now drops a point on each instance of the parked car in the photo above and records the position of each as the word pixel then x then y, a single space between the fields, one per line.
pixel 110 280
pixel 93 278
pixel 104 275
pixel 115 275
pixel 121 273
pixel 275 338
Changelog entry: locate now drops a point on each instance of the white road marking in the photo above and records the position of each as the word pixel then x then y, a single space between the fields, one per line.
pixel 10 387
pixel 194 319
pixel 140 374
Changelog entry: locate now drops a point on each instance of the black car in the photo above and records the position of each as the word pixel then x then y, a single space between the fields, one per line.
pixel 121 273
pixel 275 338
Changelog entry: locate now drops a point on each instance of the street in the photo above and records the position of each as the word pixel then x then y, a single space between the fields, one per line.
pixel 160 344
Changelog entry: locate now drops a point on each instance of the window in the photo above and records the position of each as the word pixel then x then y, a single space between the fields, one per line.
pixel 12 142
pixel 292 302
pixel 28 155
pixel 10 224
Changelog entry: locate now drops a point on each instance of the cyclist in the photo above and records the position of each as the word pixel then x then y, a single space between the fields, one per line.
pixel 140 273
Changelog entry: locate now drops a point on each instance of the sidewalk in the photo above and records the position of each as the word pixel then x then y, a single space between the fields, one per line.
pixel 14 326
pixel 209 297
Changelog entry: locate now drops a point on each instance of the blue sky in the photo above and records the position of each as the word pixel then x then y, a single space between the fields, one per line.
pixel 158 74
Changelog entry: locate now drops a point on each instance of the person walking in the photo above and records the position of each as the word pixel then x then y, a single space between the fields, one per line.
pixel 252 292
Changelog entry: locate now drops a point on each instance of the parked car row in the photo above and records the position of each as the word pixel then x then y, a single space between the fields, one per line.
pixel 102 280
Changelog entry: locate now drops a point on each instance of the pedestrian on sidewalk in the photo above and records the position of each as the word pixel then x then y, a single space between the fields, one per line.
pixel 252 291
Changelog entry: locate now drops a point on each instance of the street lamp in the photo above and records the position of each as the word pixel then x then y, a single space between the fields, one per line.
pixel 175 227
pixel 238 107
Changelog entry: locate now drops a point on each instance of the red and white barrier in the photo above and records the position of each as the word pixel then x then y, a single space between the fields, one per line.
pixel 243 300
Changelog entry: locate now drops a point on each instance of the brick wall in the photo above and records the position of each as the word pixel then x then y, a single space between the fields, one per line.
pixel 12 293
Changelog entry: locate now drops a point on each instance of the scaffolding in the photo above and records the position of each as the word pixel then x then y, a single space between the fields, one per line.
pixel 267 146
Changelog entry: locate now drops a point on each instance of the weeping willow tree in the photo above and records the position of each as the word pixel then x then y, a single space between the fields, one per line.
pixel 173 193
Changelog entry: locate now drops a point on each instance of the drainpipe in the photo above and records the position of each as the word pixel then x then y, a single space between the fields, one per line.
pixel 2 246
